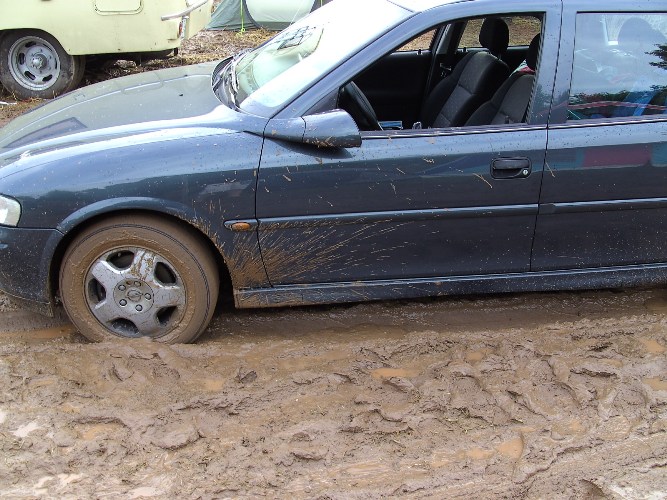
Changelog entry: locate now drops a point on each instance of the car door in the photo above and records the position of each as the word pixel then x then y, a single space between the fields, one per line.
pixel 604 195
pixel 409 204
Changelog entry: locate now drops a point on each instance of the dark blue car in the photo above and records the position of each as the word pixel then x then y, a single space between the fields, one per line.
pixel 416 148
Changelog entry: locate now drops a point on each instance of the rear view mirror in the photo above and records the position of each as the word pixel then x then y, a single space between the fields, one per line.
pixel 333 129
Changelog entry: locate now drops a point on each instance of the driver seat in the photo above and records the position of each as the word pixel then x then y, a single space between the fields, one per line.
pixel 474 80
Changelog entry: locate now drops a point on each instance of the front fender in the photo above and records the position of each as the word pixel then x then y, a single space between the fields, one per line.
pixel 111 206
pixel 239 251
pixel 203 180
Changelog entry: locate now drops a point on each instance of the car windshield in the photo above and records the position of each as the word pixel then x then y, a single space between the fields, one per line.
pixel 265 79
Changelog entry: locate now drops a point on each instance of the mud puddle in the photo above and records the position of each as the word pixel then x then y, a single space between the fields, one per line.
pixel 533 396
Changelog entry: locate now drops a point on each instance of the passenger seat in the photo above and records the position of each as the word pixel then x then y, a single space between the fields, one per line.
pixel 510 103
pixel 474 80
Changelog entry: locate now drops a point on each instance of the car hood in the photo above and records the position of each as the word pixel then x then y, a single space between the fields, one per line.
pixel 156 100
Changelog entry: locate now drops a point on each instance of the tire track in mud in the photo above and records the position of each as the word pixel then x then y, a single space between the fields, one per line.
pixel 538 395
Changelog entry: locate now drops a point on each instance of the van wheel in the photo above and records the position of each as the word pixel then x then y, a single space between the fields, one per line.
pixel 33 64
pixel 139 276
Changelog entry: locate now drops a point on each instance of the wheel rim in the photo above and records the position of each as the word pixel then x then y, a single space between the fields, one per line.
pixel 34 63
pixel 135 292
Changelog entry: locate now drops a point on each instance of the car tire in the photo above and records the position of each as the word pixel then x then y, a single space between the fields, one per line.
pixel 33 64
pixel 137 276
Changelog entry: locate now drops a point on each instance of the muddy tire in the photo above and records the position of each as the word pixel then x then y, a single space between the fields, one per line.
pixel 33 64
pixel 139 276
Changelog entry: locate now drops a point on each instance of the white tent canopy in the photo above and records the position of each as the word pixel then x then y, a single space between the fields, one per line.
pixel 269 14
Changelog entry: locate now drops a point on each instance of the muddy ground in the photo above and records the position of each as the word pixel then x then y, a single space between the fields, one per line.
pixel 516 396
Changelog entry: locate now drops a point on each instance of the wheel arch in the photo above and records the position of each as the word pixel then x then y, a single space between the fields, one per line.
pixel 77 223
pixel 36 30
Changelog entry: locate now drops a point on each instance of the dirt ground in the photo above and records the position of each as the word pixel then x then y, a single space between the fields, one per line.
pixel 517 396
pixel 555 395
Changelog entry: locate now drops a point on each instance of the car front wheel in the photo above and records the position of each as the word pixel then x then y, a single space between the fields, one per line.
pixel 33 64
pixel 139 276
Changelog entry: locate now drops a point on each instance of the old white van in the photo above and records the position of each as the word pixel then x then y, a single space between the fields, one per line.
pixel 44 43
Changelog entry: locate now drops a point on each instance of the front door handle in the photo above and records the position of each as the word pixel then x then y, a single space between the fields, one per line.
pixel 510 168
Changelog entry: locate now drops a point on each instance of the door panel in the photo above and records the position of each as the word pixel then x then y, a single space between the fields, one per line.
pixel 604 196
pixel 413 203
pixel 398 207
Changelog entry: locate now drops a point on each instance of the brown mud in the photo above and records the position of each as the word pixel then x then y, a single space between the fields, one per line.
pixel 559 395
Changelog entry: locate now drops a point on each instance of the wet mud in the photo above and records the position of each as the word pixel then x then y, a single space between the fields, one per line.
pixel 560 395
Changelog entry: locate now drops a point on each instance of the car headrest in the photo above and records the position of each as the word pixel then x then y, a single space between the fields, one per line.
pixel 533 52
pixel 634 34
pixel 494 35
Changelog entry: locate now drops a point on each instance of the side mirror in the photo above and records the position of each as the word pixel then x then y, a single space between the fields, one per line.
pixel 333 129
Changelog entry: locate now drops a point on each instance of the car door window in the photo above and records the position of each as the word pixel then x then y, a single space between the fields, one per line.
pixel 485 86
pixel 619 67
pixel 522 30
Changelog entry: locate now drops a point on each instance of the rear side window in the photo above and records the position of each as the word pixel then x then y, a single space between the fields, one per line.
pixel 619 67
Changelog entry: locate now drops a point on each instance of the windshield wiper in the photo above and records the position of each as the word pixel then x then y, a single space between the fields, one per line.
pixel 231 75
pixel 218 73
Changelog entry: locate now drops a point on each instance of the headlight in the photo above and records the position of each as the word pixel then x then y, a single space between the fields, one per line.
pixel 10 211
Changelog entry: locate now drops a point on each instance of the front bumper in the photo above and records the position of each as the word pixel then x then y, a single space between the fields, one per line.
pixel 25 262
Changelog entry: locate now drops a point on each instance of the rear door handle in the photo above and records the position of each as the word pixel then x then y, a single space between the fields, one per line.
pixel 510 168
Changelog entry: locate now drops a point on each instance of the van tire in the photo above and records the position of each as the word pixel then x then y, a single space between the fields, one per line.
pixel 33 65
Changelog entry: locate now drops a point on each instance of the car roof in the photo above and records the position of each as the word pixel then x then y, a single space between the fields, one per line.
pixel 422 5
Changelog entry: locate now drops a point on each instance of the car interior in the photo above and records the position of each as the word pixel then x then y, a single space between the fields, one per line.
pixel 472 72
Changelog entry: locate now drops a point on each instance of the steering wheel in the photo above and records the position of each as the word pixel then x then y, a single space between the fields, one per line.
pixel 353 100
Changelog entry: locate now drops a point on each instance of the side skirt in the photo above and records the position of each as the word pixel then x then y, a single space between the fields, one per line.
pixel 359 291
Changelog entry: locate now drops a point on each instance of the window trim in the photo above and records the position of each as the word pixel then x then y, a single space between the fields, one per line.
pixel 453 131
pixel 608 122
